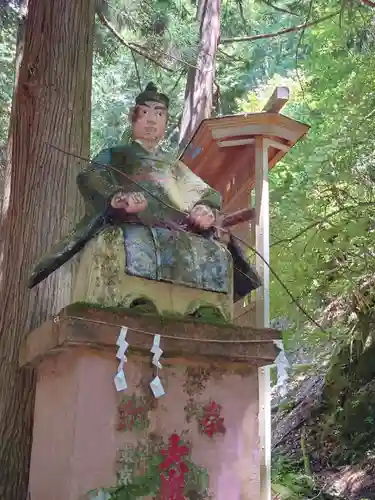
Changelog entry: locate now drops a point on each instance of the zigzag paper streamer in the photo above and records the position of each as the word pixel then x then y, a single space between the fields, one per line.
pixel 120 380
pixel 156 385
pixel 155 349
pixel 282 364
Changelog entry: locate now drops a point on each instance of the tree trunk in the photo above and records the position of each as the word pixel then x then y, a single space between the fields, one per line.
pixel 200 80
pixel 51 106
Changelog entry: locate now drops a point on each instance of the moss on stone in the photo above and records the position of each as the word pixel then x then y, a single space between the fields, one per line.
pixel 167 316
pixel 110 235
pixel 287 406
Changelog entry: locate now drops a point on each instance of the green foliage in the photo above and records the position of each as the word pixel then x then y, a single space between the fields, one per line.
pixel 289 482
pixel 346 420
pixel 322 193
pixel 8 31
pixel 327 181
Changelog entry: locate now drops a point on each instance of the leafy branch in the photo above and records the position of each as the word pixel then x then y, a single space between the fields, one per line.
pixel 284 31
pixel 138 49
pixel 321 221
pixel 141 50
pixel 279 9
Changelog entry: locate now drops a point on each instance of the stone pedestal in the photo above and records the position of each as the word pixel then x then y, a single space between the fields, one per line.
pixel 86 435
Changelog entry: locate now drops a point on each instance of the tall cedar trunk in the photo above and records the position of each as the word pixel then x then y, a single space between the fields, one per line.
pixel 51 106
pixel 200 80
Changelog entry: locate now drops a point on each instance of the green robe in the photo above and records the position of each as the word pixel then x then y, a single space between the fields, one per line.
pixel 152 252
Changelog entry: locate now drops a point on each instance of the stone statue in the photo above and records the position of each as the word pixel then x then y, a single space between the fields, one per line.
pixel 148 228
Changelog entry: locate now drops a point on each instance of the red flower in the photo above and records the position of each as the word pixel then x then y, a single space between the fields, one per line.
pixel 211 422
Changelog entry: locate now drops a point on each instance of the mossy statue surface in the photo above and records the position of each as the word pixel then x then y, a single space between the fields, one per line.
pixel 148 234
pixel 101 280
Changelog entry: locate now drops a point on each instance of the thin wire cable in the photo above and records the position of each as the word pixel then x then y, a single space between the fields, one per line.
pixel 57 319
pixel 294 300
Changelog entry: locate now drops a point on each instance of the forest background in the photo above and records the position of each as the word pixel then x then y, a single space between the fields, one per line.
pixel 322 193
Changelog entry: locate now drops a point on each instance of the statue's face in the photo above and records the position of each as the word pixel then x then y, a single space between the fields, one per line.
pixel 149 123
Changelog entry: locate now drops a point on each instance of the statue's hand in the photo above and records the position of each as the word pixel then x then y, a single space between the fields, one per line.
pixel 131 203
pixel 202 217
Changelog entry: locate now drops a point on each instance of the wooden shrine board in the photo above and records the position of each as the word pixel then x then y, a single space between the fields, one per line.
pixel 234 154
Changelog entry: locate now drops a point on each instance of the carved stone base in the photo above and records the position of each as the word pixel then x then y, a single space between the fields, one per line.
pixel 86 435
pixel 101 279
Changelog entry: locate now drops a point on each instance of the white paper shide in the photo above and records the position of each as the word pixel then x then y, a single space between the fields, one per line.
pixel 122 344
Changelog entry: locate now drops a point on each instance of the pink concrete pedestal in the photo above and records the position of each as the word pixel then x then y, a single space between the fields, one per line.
pixel 80 431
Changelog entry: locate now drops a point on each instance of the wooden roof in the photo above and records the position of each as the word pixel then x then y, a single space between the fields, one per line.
pixel 223 145
pixel 223 148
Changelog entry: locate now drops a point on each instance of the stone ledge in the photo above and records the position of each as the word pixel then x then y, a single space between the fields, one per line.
pixel 84 326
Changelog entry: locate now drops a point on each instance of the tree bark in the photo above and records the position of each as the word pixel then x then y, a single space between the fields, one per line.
pixel 51 106
pixel 200 82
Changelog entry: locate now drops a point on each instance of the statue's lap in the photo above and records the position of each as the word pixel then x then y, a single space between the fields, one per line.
pixel 177 271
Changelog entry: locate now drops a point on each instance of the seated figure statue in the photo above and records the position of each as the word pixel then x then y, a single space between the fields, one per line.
pixel 147 237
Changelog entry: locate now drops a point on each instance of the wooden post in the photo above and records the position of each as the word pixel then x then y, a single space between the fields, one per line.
pixel 277 100
pixel 252 226
pixel 262 309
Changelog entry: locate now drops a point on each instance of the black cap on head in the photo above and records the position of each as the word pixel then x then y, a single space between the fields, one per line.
pixel 151 93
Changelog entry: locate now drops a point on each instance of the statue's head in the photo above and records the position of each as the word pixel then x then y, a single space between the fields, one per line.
pixel 149 116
